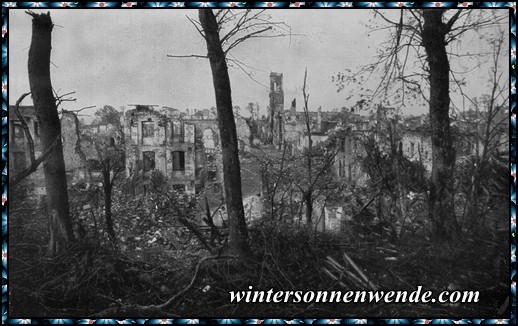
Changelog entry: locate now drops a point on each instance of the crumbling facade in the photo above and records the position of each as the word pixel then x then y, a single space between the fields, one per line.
pixel 347 164
pixel 208 162
pixel 468 131
pixel 19 148
pixel 183 146
pixel 416 145
pixel 154 142
pixel 19 159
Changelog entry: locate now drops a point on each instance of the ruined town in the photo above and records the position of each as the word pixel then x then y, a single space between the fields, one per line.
pixel 164 209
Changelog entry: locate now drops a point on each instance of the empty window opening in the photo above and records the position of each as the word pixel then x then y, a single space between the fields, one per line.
pixel 148 129
pixel 149 161
pixel 178 161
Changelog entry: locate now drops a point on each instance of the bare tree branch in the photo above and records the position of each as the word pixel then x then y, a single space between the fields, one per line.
pixel 196 56
pixel 243 25
pixel 81 109
pixel 452 20
pixel 160 308
pixel 25 127
pixel 244 38
pixel 196 25
pixel 34 165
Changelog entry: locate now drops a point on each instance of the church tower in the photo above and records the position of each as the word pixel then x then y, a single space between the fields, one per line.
pixel 276 107
pixel 276 92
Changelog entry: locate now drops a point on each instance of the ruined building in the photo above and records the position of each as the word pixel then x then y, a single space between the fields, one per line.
pixel 289 126
pixel 19 148
pixel 183 146
pixel 154 142
pixel 74 153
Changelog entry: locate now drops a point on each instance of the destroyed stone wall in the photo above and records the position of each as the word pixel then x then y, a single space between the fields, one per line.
pixel 209 163
pixel 152 141
pixel 75 159
pixel 19 150
pixel 417 147
pixel 243 133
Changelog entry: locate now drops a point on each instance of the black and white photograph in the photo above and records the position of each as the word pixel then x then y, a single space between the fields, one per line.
pixel 259 163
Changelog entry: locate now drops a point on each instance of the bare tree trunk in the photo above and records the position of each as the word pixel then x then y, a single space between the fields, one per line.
pixel 47 114
pixel 238 238
pixel 308 199
pixel 209 220
pixel 441 210
pixel 107 186
pixel 308 194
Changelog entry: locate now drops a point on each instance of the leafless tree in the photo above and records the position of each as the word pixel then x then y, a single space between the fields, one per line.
pixel 313 175
pixel 47 114
pixel 238 237
pixel 485 135
pixel 236 27
pixel 34 163
pixel 111 157
pixel 308 193
pixel 428 39
pixel 224 30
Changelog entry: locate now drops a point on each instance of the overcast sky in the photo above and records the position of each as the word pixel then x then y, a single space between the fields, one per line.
pixel 119 57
